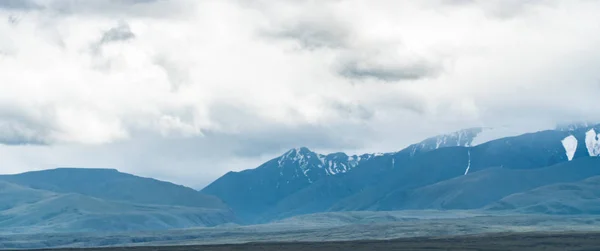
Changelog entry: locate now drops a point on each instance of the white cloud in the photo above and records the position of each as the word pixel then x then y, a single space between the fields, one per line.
pixel 81 77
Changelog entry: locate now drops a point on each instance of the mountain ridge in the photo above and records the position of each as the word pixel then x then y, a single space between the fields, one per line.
pixel 330 193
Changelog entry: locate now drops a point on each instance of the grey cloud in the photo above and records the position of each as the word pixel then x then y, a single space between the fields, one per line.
pixel 385 65
pixel 18 128
pixel 20 133
pixel 12 19
pixel 356 59
pixel 312 35
pixel 361 63
pixel 364 69
pixel 315 27
pixel 20 5
pixel 120 33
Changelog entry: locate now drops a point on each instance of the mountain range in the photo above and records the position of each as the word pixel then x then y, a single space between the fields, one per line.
pixel 553 172
pixel 431 174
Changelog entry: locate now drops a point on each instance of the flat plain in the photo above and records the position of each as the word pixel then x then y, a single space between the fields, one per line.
pixel 399 230
pixel 507 241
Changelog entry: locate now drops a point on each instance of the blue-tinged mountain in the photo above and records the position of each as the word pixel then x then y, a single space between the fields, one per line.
pixel 490 185
pixel 257 195
pixel 580 197
pixel 323 194
pixel 527 151
pixel 385 181
pixel 75 200
pixel 27 210
pixel 114 185
pixel 252 192
pixel 379 181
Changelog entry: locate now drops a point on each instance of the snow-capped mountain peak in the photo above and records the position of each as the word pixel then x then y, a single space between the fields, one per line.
pixel 314 165
pixel 459 138
pixel 468 138
pixel 302 155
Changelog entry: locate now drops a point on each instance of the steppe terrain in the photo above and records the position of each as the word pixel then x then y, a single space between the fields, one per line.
pixel 511 241
pixel 463 230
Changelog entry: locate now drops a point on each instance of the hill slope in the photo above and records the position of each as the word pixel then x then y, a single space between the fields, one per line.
pixel 482 188
pixel 113 185
pixel 581 197
pixel 24 209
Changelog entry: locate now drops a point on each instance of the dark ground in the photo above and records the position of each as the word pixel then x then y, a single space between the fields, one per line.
pixel 508 241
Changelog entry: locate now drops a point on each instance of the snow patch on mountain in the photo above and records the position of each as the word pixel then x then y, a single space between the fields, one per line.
pixel 592 142
pixel 467 138
pixel 459 138
pixel 469 163
pixel 570 145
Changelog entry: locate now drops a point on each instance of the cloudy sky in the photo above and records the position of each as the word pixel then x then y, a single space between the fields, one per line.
pixel 186 90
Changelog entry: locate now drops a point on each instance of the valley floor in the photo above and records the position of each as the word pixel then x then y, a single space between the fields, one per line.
pixel 403 230
pixel 511 241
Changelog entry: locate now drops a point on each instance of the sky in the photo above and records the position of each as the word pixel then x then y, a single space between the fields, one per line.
pixel 187 90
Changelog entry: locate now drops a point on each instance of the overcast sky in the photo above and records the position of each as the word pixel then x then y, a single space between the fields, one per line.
pixel 185 91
